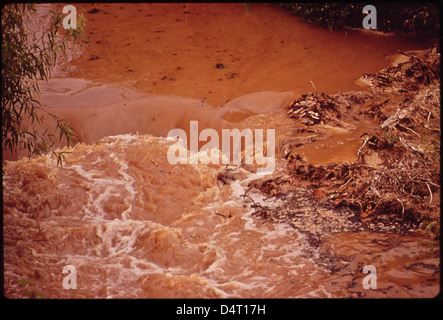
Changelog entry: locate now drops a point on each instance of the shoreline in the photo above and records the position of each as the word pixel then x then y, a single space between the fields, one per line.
pixel 354 184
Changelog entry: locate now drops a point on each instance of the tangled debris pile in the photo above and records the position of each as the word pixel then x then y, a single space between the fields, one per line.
pixel 395 181
pixel 309 216
pixel 312 108
pixel 422 69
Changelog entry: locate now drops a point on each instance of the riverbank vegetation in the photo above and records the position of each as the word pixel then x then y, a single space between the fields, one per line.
pixel 391 17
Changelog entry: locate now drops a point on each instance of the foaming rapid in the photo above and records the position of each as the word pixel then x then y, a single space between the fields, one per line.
pixel 134 226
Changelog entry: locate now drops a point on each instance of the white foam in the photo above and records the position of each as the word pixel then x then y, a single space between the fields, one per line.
pixel 125 138
pixel 102 188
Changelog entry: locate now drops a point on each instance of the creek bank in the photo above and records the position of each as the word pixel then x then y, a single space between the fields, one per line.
pixel 394 185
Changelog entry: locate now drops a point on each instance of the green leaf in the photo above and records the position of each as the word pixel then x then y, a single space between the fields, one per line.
pixel 26 58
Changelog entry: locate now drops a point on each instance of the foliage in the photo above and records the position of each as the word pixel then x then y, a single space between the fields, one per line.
pixel 331 15
pixel 390 137
pixel 28 55
pixel 404 17
pixel 29 289
pixel 432 230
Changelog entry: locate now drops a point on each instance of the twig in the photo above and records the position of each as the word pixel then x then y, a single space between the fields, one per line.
pixel 410 130
pixel 221 215
pixel 373 189
pixel 315 89
pixel 379 201
pixel 435 185
pixel 346 183
pixel 246 196
pixel 254 205
pixel 361 148
pixel 406 145
pixel 430 192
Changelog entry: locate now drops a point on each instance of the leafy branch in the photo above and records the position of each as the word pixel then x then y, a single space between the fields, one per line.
pixel 29 53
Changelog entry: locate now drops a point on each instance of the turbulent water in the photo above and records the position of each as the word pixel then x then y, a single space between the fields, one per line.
pixel 135 226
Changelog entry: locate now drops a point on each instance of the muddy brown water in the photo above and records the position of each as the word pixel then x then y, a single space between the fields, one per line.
pixel 135 226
